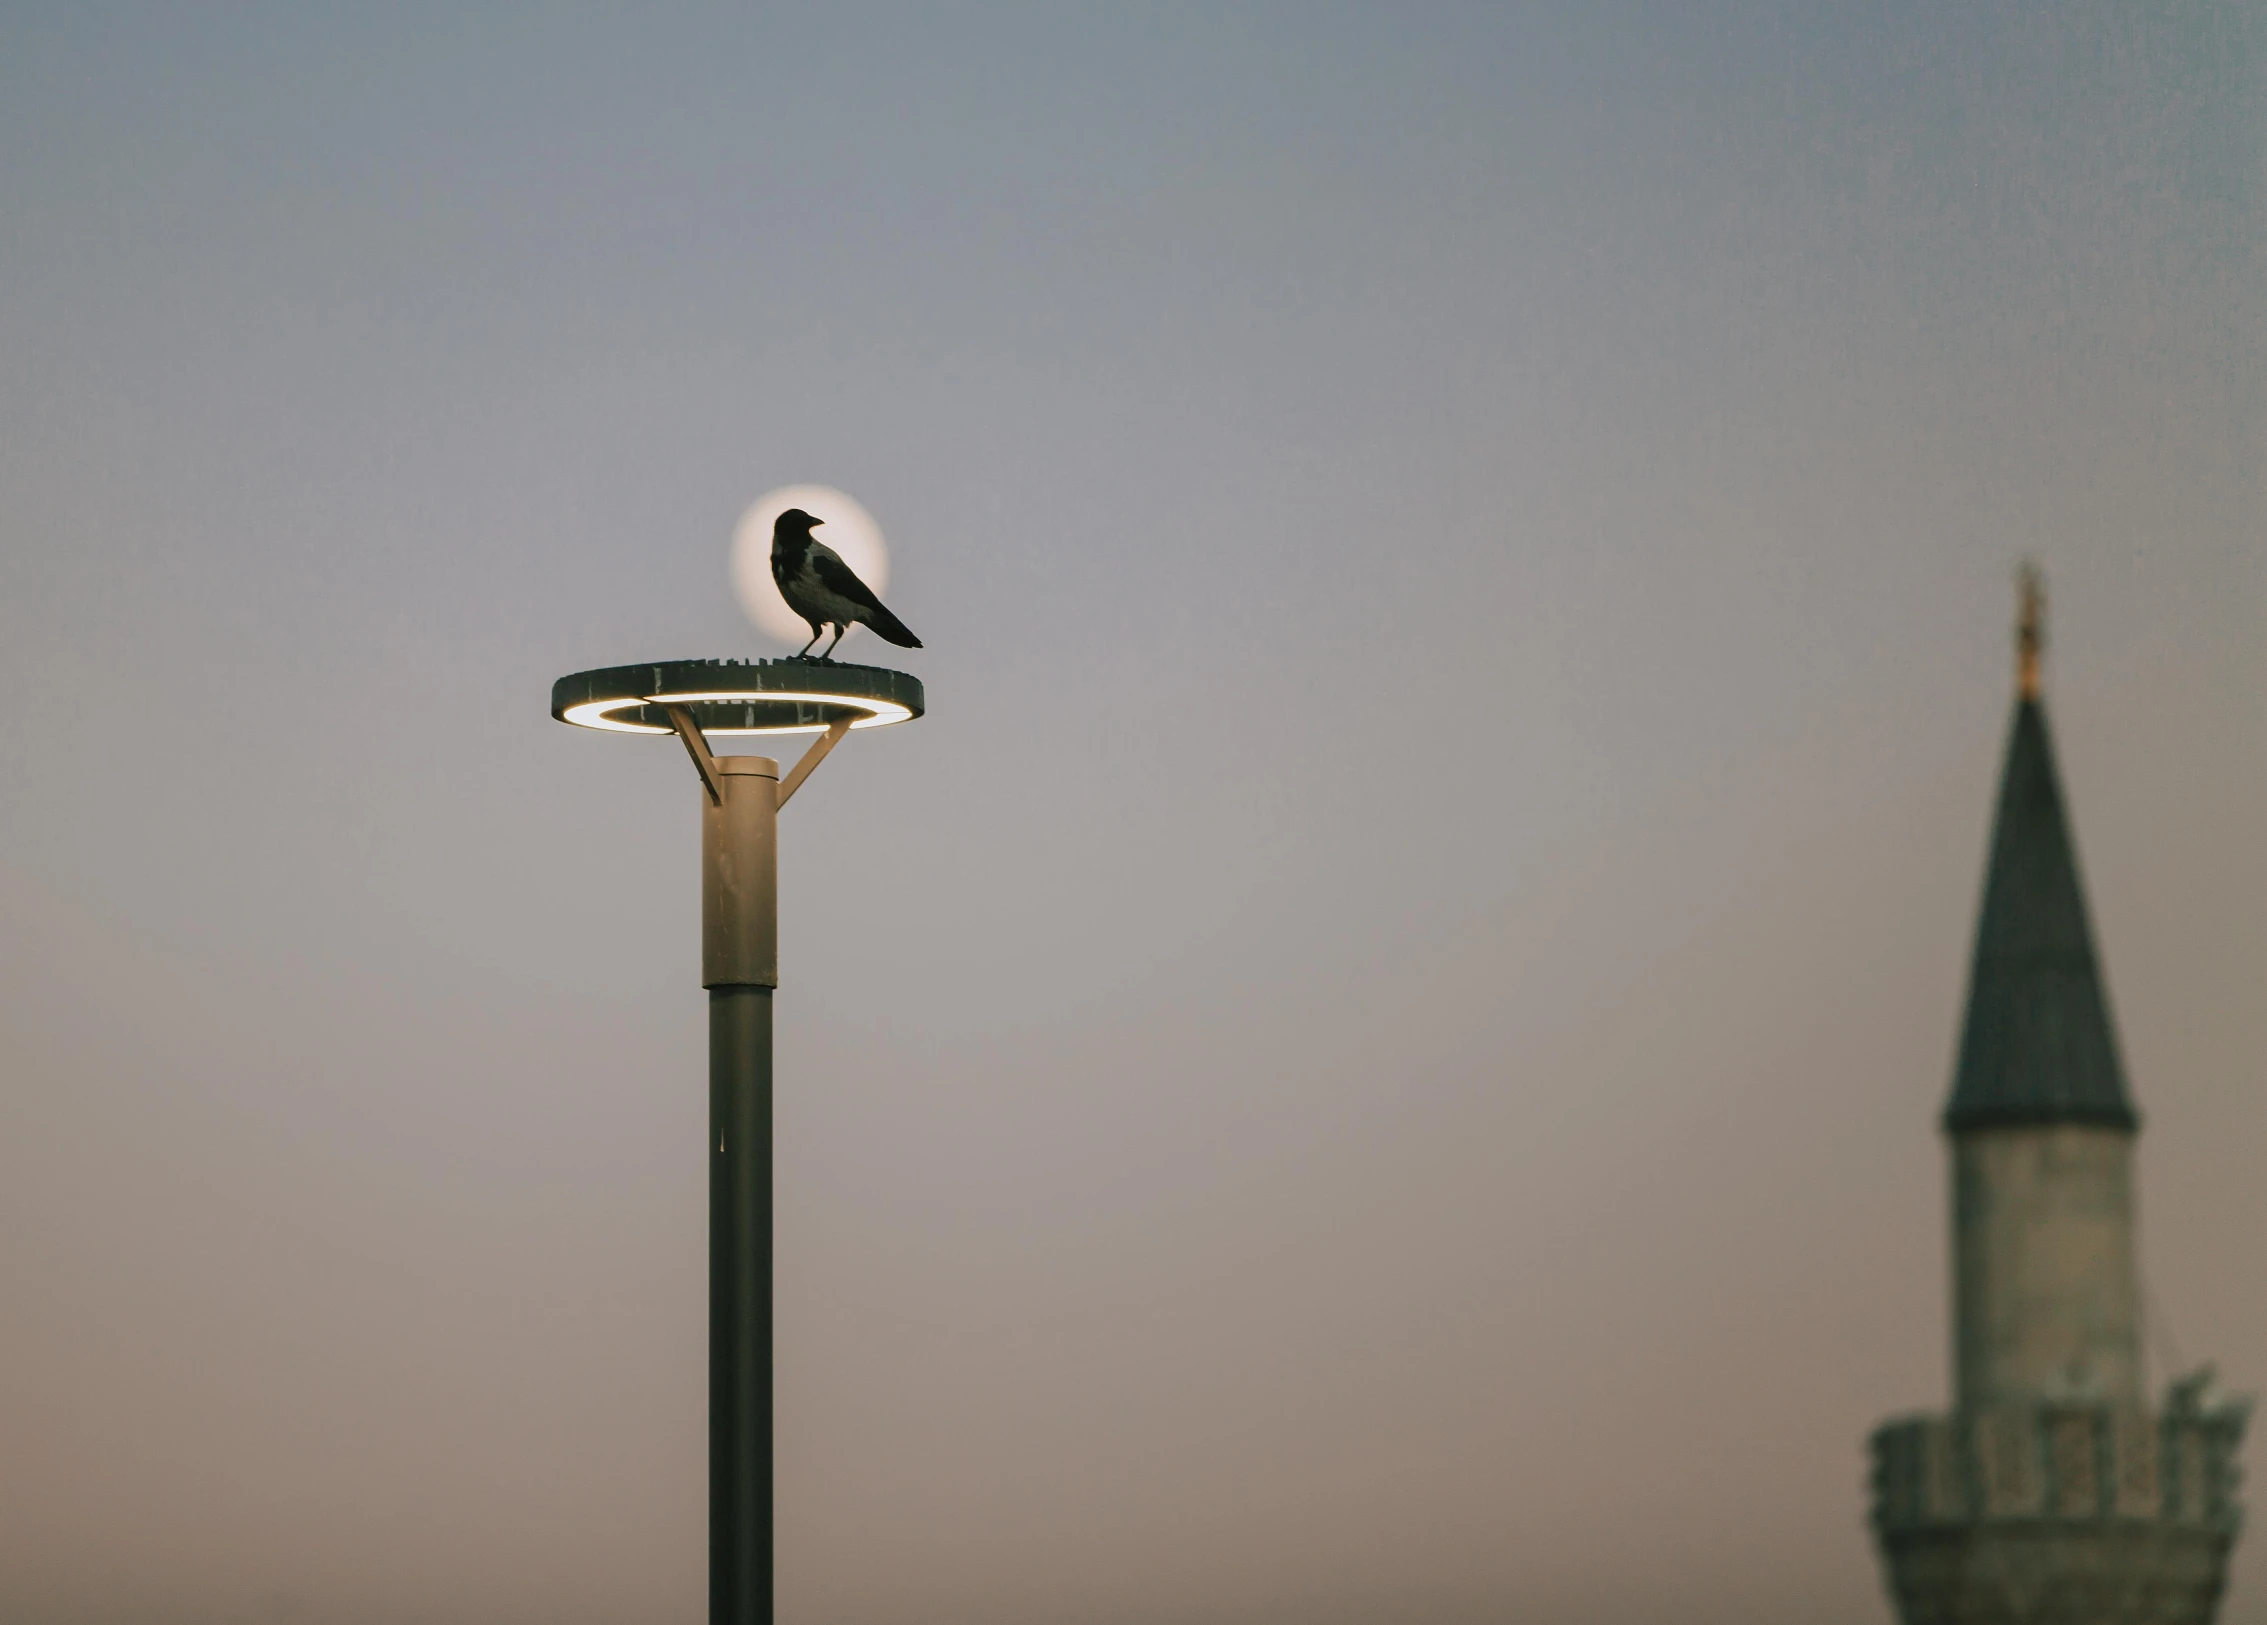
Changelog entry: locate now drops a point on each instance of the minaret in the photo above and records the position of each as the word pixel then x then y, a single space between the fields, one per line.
pixel 2049 1496
pixel 2042 1134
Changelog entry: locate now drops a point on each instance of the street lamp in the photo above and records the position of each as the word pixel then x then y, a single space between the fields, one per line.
pixel 699 700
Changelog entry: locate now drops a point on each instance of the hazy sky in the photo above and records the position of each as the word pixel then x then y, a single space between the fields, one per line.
pixel 1374 1057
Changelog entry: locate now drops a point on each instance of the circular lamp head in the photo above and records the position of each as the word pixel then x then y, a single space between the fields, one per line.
pixel 737 696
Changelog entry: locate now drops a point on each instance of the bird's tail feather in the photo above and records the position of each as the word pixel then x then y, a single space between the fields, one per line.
pixel 890 629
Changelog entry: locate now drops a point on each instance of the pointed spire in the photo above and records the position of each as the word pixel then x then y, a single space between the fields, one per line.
pixel 2038 1045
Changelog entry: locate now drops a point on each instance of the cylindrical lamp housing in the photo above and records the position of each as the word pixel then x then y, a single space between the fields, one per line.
pixel 740 876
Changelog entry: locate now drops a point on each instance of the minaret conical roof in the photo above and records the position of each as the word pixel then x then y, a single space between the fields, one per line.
pixel 2038 1045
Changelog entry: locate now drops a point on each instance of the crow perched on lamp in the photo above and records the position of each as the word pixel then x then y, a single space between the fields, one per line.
pixel 825 591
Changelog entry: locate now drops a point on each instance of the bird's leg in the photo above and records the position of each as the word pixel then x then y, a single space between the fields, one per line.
pixel 818 631
pixel 840 627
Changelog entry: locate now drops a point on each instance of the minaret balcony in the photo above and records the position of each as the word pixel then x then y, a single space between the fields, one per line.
pixel 2066 1462
pixel 2058 1513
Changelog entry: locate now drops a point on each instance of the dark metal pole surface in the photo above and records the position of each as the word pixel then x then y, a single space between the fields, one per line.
pixel 739 1306
pixel 739 967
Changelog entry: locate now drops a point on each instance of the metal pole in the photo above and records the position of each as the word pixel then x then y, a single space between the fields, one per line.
pixel 739 967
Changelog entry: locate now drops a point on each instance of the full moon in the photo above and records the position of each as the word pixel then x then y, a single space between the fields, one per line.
pixel 847 528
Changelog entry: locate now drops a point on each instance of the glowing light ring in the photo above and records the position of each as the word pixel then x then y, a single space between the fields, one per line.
pixel 737 697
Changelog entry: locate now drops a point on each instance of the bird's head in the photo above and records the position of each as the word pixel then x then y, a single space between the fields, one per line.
pixel 794 522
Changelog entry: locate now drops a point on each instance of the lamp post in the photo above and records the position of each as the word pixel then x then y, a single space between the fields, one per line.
pixel 699 700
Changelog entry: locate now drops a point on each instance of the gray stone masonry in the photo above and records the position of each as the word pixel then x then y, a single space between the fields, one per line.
pixel 2081 1514
pixel 2044 1300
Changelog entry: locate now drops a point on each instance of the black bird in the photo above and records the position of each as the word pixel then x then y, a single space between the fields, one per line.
pixel 823 590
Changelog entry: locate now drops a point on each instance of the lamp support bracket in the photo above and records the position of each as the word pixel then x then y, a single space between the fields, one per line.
pixel 696 746
pixel 812 758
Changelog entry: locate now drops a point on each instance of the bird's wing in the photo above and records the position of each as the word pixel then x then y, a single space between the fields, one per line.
pixel 839 579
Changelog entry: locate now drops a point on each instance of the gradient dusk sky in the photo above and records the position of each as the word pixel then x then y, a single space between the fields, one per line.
pixel 1375 1056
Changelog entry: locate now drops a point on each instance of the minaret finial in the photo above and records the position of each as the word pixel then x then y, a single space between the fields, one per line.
pixel 2030 627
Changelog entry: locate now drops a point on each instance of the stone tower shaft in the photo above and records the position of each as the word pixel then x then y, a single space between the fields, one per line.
pixel 2044 1296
